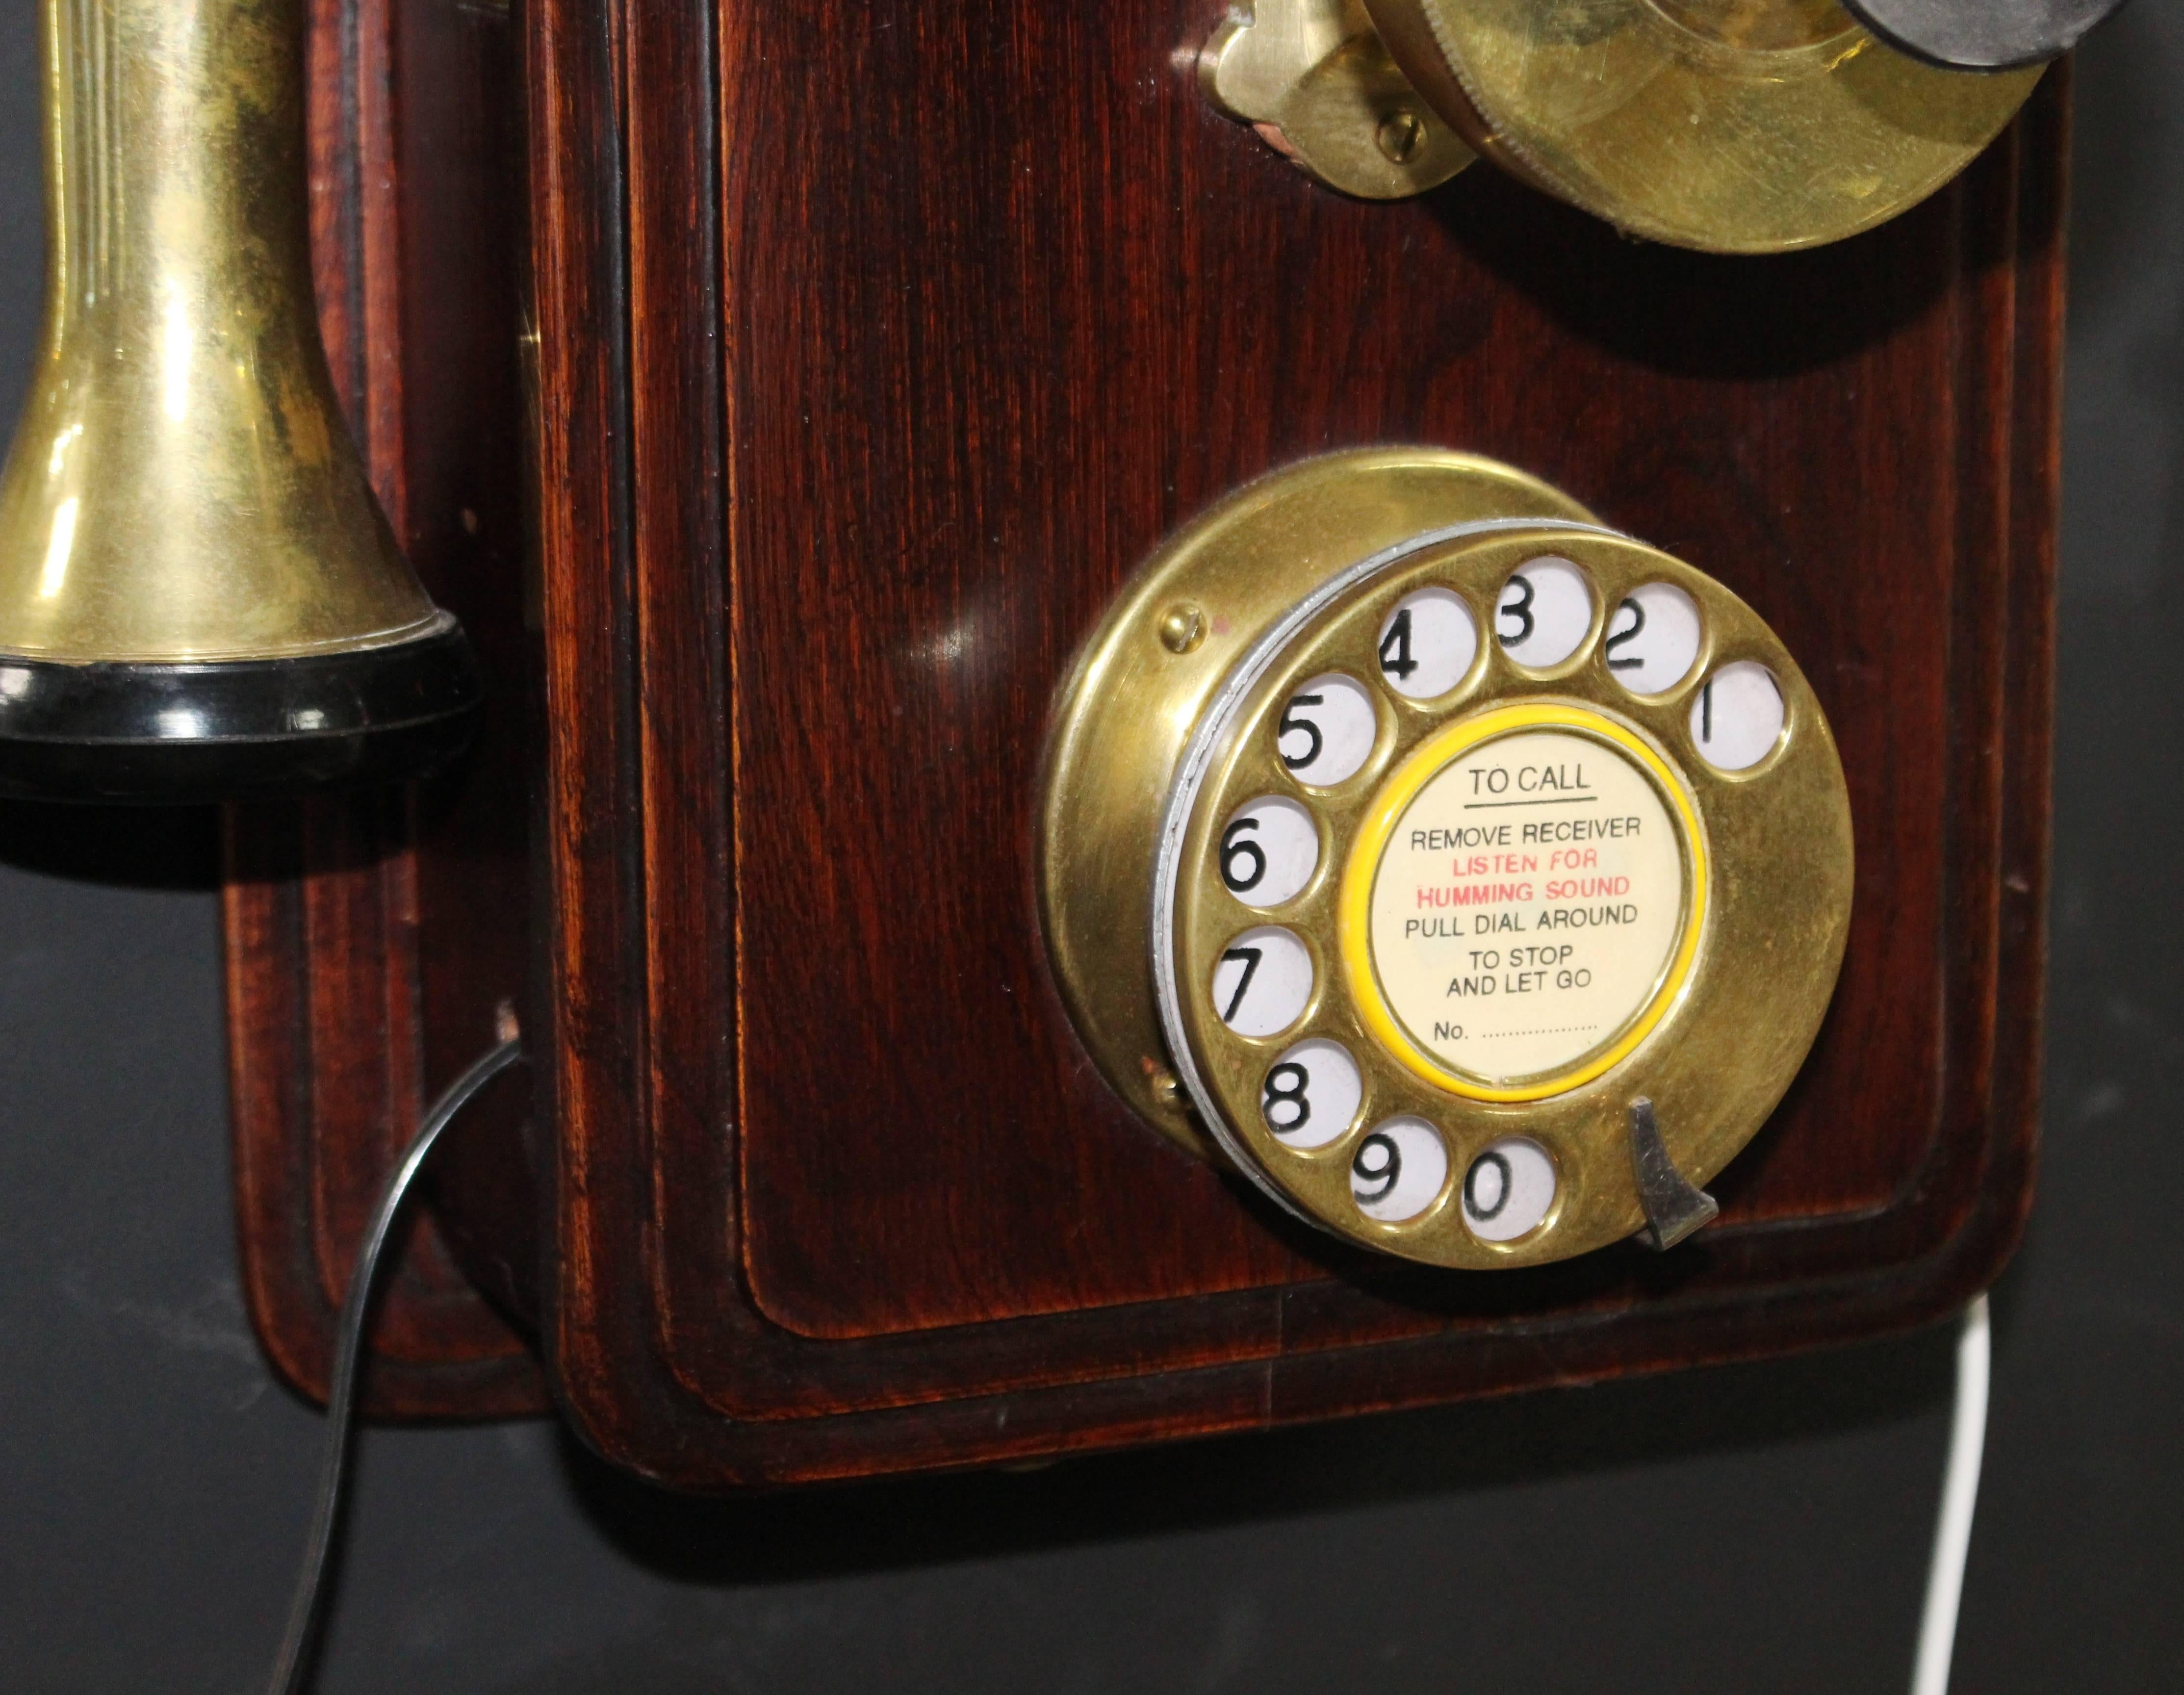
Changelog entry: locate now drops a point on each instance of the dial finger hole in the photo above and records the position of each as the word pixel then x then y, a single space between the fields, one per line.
pixel 1262 982
pixel 1738 717
pixel 1509 1190
pixel 1269 851
pixel 1311 1094
pixel 1653 638
pixel 1327 730
pixel 1428 643
pixel 1544 614
pixel 1398 1170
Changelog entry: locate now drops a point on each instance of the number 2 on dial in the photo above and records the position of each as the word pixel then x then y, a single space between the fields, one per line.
pixel 1627 634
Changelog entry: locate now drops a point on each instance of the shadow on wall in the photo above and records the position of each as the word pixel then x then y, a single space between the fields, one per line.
pixel 2122 442
pixel 918 1522
pixel 134 847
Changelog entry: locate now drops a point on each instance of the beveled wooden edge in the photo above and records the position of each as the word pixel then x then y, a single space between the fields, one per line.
pixel 319 903
pixel 1950 1238
pixel 433 1357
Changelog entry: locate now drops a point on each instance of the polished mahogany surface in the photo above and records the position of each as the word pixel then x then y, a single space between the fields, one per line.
pixel 852 413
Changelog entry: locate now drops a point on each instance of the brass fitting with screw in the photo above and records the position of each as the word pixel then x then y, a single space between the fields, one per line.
pixel 1315 81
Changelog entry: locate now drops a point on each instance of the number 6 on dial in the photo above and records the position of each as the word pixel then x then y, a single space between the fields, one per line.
pixel 1269 852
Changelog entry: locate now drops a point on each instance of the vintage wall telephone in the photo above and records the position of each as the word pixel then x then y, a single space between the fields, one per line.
pixel 1067 879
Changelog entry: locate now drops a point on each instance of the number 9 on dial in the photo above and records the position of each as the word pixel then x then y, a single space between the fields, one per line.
pixel 1398 1170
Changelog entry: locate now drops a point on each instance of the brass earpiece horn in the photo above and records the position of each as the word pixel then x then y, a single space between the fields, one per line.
pixel 199 594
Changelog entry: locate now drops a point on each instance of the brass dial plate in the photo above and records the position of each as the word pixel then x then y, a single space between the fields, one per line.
pixel 1729 125
pixel 1766 864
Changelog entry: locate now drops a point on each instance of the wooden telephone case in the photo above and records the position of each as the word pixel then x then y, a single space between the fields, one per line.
pixel 779 400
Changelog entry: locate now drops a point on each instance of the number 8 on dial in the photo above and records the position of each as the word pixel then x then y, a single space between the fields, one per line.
pixel 1311 1094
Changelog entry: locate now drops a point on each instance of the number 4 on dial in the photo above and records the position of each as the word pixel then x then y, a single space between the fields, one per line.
pixel 1428 643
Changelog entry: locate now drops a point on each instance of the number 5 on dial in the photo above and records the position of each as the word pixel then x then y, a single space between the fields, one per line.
pixel 1327 731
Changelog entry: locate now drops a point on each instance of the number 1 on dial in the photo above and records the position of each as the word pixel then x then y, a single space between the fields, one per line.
pixel 1738 717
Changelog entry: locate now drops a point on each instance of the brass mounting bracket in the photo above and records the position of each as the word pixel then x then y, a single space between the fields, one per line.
pixel 1312 78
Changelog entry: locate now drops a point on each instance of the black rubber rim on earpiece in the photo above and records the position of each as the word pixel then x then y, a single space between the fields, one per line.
pixel 151 734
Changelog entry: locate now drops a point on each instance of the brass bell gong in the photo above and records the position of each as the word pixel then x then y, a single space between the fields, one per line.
pixel 199 593
pixel 1729 125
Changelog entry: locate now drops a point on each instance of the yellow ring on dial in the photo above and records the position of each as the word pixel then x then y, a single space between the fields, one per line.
pixel 1354 912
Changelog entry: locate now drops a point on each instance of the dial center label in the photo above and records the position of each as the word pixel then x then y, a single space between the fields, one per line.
pixel 1526 894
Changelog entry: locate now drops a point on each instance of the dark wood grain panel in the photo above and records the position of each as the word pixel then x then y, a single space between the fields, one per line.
pixel 884 916
pixel 588 1033
pixel 961 389
pixel 856 589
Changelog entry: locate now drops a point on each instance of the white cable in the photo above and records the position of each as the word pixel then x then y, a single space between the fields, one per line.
pixel 1952 1536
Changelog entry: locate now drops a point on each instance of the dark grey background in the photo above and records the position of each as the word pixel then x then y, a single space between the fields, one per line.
pixel 1758 1529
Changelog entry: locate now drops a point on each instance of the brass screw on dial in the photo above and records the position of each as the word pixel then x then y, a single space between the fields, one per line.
pixel 1401 133
pixel 1183 627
